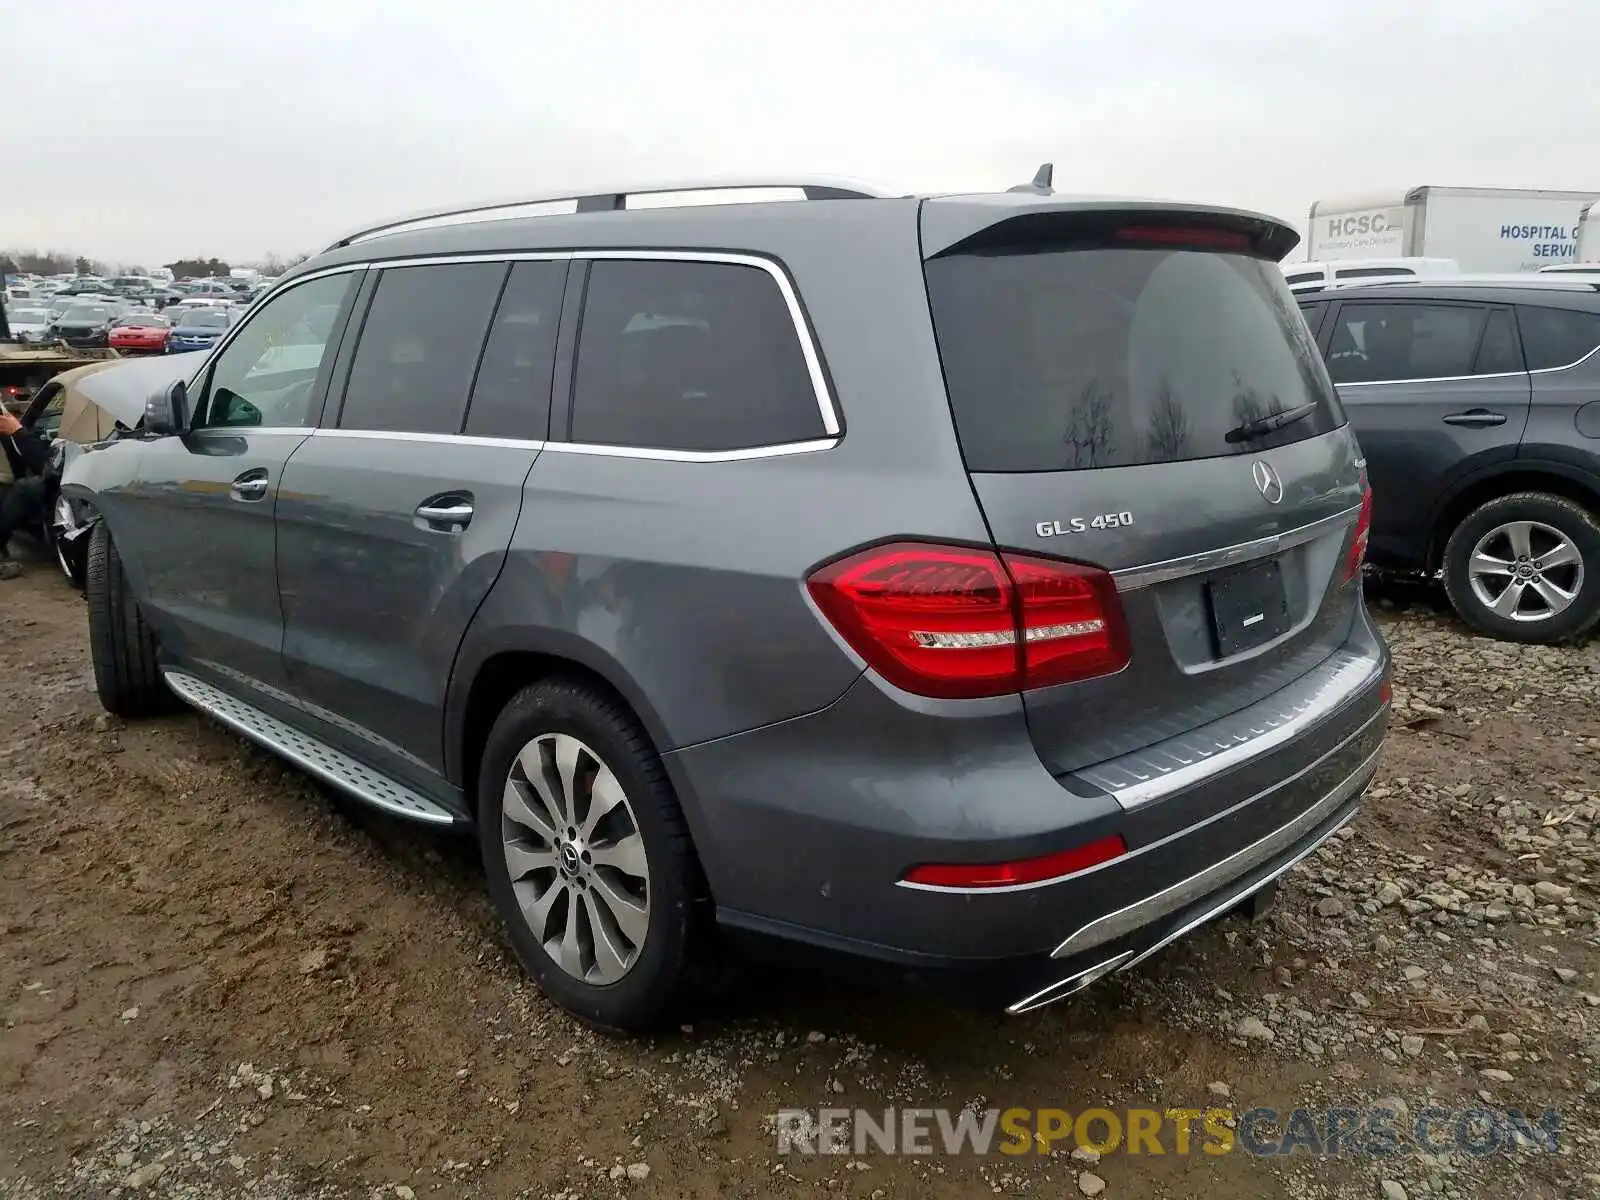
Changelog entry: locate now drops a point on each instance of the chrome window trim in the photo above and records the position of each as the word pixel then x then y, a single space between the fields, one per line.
pixel 827 405
pixel 252 430
pixel 1577 362
pixel 1356 383
pixel 471 439
pixel 434 439
pixel 780 450
pixel 1131 578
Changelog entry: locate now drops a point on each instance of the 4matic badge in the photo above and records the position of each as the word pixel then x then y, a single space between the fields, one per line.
pixel 1112 520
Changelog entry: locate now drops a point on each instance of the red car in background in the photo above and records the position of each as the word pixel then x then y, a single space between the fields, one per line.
pixel 140 333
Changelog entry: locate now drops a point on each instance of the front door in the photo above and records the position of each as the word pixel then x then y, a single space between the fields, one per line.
pixel 399 512
pixel 1434 391
pixel 200 513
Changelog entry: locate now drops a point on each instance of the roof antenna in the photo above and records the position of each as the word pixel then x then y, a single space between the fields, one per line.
pixel 1040 186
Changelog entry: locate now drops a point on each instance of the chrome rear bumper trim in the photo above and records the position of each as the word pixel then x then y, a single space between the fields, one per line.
pixel 1234 897
pixel 1185 892
pixel 1063 988
pixel 1127 960
pixel 1152 774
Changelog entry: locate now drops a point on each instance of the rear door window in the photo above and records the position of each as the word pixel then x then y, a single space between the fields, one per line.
pixel 1498 353
pixel 1393 342
pixel 419 348
pixel 1557 337
pixel 1110 357
pixel 1313 314
pixel 511 398
pixel 691 356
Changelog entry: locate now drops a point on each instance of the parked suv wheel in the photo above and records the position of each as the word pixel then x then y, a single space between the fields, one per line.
pixel 121 646
pixel 588 857
pixel 1526 568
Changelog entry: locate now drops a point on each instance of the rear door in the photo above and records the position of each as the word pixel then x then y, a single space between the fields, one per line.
pixel 1435 391
pixel 396 515
pixel 1140 393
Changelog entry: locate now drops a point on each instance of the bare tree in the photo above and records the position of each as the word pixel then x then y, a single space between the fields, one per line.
pixel 1168 436
pixel 1089 428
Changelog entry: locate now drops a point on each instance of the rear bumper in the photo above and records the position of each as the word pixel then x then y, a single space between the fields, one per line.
pixel 807 828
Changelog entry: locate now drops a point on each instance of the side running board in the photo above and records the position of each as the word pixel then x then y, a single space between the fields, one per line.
pixel 306 752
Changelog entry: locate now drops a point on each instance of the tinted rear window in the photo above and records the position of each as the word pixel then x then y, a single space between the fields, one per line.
pixel 1395 341
pixel 511 398
pixel 1064 359
pixel 419 347
pixel 693 356
pixel 1557 337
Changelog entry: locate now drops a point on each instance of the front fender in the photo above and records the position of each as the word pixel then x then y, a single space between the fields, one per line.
pixel 99 480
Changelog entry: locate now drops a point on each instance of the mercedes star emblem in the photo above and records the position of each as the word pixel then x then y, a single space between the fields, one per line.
pixel 1267 481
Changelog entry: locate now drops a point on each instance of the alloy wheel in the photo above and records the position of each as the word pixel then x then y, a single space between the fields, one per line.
pixel 1525 571
pixel 575 857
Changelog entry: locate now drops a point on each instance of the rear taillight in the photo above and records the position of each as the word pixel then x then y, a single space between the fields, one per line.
pixel 954 622
pixel 1358 544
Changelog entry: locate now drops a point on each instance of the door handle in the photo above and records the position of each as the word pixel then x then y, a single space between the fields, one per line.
pixel 1476 418
pixel 449 514
pixel 252 485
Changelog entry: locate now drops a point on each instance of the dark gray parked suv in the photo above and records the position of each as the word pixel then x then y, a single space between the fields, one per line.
pixel 969 584
pixel 1477 405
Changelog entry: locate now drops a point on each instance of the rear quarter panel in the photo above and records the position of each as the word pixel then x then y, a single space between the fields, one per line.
pixel 686 579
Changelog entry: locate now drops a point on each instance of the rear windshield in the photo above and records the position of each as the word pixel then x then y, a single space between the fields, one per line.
pixel 1112 357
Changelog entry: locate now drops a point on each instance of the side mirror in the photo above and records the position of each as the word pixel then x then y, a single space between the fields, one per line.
pixel 166 414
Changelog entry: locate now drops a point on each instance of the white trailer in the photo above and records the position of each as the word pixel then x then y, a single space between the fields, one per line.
pixel 1589 235
pixel 1483 229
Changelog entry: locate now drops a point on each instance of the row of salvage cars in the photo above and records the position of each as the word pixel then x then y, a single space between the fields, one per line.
pixel 77 409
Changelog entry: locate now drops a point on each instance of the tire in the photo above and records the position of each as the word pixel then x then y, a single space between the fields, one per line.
pixel 122 647
pixel 661 954
pixel 1557 603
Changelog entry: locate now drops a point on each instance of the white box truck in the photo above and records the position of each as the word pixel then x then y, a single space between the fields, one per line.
pixel 1483 229
pixel 1589 235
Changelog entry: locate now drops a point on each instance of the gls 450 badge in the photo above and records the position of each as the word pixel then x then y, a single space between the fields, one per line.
pixel 1113 520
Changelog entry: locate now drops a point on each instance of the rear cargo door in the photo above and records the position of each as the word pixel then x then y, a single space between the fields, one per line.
pixel 1137 391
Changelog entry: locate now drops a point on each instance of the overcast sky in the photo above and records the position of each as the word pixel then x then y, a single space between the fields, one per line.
pixel 139 131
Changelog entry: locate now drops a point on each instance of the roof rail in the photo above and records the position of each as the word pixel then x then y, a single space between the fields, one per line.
pixel 1529 280
pixel 612 199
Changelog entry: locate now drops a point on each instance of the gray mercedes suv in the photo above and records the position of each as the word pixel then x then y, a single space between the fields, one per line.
pixel 968 585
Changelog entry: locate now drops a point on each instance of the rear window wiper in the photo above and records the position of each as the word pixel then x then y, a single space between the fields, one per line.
pixel 1261 426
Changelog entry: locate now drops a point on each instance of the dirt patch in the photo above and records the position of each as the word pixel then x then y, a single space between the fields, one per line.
pixel 217 979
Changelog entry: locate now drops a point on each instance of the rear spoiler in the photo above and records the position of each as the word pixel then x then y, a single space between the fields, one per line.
pixel 1019 220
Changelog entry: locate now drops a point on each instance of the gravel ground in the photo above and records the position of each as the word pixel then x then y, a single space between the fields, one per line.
pixel 219 981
